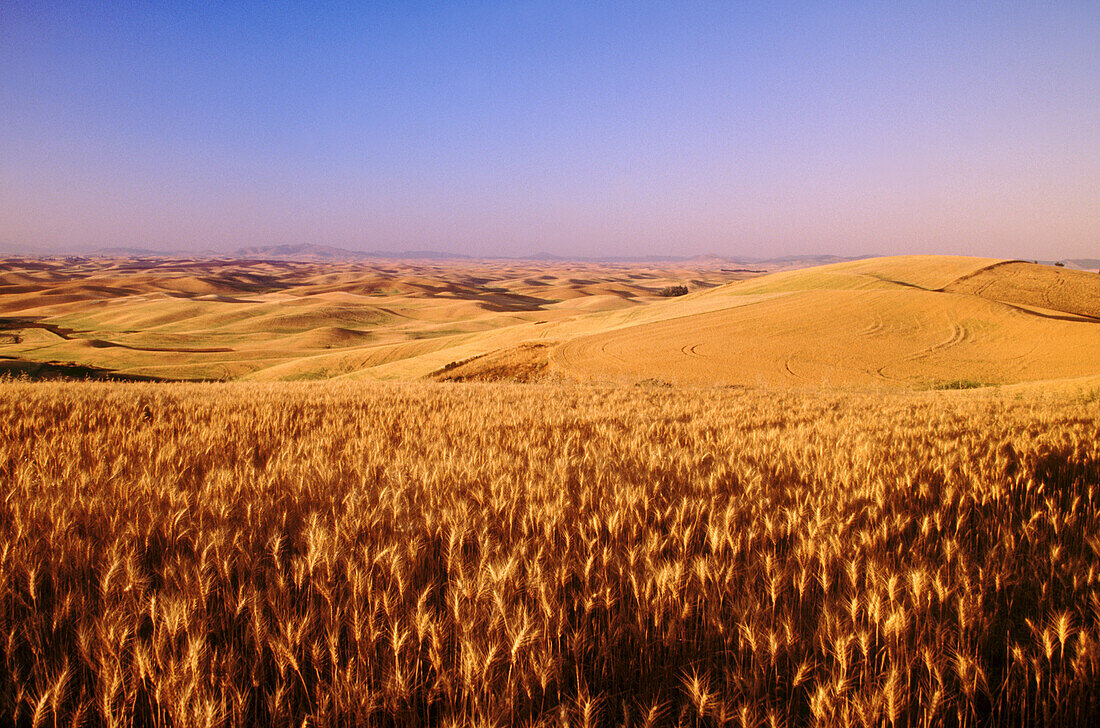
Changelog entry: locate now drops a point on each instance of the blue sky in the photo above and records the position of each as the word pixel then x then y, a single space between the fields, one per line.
pixel 577 129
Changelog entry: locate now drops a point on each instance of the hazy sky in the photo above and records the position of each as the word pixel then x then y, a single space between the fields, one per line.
pixel 575 128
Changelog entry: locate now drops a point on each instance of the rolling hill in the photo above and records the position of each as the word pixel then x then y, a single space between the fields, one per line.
pixel 894 322
pixel 900 322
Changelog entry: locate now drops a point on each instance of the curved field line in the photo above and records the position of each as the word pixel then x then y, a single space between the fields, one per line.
pixel 876 325
pixel 881 374
pixel 959 333
pixel 971 274
pixel 787 366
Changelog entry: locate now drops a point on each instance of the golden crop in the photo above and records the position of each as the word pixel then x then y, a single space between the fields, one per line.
pixel 431 554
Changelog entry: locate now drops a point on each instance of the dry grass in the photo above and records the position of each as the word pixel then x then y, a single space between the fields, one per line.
pixel 494 554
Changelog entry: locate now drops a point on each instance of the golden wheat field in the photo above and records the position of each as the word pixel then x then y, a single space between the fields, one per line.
pixel 902 322
pixel 224 319
pixel 425 553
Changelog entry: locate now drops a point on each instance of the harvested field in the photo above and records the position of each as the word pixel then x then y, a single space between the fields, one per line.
pixel 907 322
pixel 869 324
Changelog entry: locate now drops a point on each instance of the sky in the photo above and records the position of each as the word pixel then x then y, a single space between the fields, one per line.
pixel 578 129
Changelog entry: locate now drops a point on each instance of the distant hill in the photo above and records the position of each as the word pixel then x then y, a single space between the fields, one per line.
pixel 125 252
pixel 801 261
pixel 903 322
pixel 311 252
pixel 296 252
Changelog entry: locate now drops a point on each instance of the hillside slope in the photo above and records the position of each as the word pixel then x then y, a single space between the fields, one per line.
pixel 914 321
pixel 1036 286
pixel 899 322
pixel 231 319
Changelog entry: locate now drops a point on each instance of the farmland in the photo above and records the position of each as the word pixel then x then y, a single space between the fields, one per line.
pixel 500 554
pixel 863 493
pixel 899 323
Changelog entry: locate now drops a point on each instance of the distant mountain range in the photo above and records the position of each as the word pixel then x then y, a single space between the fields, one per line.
pixel 308 252
pixel 327 252
pixel 303 252
pixel 133 253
